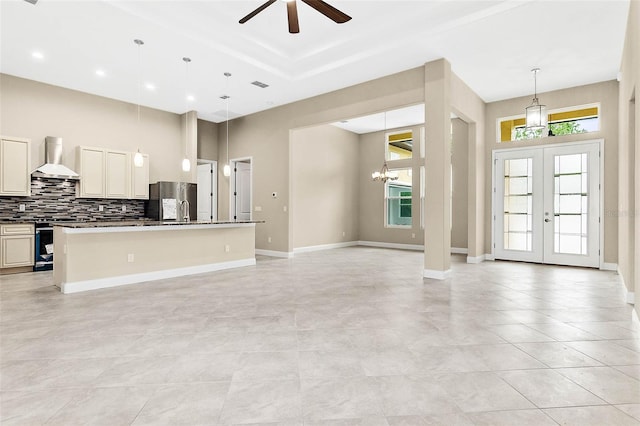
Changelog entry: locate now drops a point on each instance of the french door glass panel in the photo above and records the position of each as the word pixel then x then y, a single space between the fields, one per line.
pixel 547 205
pixel 572 175
pixel 518 193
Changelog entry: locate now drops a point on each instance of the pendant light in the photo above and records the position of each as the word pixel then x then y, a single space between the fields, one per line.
pixel 186 164
pixel 226 170
pixel 536 115
pixel 138 159
pixel 384 174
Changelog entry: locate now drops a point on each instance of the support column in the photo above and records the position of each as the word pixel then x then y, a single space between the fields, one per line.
pixel 437 214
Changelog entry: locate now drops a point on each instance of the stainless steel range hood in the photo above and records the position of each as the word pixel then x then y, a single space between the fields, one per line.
pixel 52 167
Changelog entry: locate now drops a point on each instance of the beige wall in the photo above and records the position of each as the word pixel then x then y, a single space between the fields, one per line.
pixel 606 93
pixel 208 140
pixel 459 190
pixel 628 172
pixel 371 193
pixel 468 106
pixel 36 110
pixel 265 137
pixel 324 186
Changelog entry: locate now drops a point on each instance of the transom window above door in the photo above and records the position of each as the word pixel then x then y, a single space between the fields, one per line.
pixel 565 121
pixel 399 145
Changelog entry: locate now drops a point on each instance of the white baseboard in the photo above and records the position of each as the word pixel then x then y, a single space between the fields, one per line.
pixel 85 285
pixel 459 250
pixel 631 296
pixel 391 245
pixel 609 266
pixel 476 259
pixel 490 257
pixel 273 253
pixel 436 275
pixel 325 247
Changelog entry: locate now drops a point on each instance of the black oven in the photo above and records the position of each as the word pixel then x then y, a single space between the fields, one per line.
pixel 43 247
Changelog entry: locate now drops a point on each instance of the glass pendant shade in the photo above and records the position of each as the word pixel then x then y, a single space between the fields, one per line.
pixel 536 115
pixel 138 159
pixel 186 165
pixel 226 170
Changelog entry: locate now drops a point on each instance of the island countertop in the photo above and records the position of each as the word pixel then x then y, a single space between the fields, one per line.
pixel 144 222
pixel 133 225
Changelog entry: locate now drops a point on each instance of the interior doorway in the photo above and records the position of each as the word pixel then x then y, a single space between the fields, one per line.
pixel 241 189
pixel 207 190
pixel 547 204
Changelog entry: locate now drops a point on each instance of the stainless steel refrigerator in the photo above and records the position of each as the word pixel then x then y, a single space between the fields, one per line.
pixel 172 201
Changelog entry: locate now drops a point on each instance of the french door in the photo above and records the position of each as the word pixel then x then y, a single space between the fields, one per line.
pixel 546 204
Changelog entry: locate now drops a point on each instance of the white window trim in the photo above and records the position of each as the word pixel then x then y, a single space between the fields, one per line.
pixel 386 203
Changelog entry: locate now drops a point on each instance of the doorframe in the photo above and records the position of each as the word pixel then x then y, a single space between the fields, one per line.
pixel 232 164
pixel 600 143
pixel 214 163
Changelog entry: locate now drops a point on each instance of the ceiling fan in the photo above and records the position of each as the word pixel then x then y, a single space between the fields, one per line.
pixel 292 12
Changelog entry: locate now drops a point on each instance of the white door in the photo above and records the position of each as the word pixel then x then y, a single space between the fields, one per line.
pixel 207 192
pixel 547 205
pixel 242 190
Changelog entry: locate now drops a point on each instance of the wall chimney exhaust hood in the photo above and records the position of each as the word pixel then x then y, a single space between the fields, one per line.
pixel 52 167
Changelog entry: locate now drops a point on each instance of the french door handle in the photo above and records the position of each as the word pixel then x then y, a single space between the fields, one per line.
pixel 547 220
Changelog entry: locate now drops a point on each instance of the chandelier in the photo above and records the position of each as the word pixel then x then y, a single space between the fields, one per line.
pixel 536 114
pixel 384 174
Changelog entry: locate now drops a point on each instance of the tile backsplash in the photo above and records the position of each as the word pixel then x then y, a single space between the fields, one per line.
pixel 56 198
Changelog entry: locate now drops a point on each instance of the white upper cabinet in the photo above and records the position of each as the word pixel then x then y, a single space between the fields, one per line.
pixel 91 167
pixel 118 174
pixel 15 165
pixel 140 179
pixel 107 173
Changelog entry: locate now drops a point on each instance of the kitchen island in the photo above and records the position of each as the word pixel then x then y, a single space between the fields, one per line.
pixel 94 255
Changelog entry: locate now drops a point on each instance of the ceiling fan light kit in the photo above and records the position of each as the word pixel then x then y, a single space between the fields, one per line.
pixel 326 9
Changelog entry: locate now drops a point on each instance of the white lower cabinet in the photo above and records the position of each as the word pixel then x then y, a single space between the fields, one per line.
pixel 16 245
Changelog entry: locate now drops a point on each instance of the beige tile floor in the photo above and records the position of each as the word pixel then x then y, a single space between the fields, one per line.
pixel 344 337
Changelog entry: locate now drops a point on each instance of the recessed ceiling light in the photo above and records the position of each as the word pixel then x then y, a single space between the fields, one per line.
pixel 150 86
pixel 37 55
pixel 191 98
pixel 100 73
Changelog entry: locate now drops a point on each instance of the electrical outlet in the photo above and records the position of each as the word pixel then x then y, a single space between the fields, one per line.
pixel 22 207
pixel 258 208
pixel 100 208
pixel 269 239
pixel 413 235
pixel 344 234
pixel 130 258
pixel 227 248
pixel 124 208
pixel 284 208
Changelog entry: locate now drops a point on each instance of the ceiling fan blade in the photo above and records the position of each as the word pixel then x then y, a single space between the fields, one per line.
pixel 258 10
pixel 292 14
pixel 328 11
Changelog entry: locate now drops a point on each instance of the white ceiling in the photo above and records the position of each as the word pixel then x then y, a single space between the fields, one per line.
pixel 491 45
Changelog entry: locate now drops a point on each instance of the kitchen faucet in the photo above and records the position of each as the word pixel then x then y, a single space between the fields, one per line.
pixel 185 212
